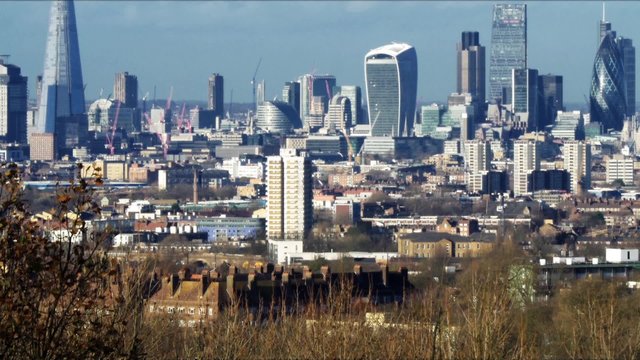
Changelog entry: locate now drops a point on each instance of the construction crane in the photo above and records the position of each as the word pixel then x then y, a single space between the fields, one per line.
pixel 144 102
pixel 181 119
pixel 326 84
pixel 168 106
pixel 229 111
pixel 253 84
pixel 375 120
pixel 346 136
pixel 113 130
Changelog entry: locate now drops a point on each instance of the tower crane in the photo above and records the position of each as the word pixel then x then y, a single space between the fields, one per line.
pixel 113 130
pixel 253 83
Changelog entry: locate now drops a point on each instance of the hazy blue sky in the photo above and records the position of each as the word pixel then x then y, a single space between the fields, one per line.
pixel 180 43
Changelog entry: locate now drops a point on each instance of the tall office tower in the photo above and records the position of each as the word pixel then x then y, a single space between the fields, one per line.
pixel 628 53
pixel 524 98
pixel 260 93
pixel 471 66
pixel 477 161
pixel 354 94
pixel 13 103
pixel 508 47
pixel 216 95
pixel 314 87
pixel 526 159
pixel 289 196
pixel 391 78
pixel 577 161
pixel 125 88
pixel 620 167
pixel 607 96
pixel 291 94
pixel 62 108
pixel 339 117
pixel 551 98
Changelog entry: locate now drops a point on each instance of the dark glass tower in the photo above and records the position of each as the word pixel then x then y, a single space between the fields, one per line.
pixel 216 95
pixel 125 88
pixel 608 86
pixel 508 47
pixel 551 98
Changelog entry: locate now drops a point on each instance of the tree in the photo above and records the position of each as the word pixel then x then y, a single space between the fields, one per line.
pixel 58 299
pixel 617 183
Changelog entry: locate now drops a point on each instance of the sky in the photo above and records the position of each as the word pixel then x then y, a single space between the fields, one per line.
pixel 180 43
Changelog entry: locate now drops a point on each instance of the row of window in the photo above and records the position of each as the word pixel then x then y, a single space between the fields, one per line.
pixel 182 310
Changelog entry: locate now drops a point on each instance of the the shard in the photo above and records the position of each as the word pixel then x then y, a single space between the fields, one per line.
pixel 61 106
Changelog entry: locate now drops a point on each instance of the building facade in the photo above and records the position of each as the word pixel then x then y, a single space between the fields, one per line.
pixel 13 104
pixel 524 98
pixel 607 97
pixel 508 47
pixel 291 95
pixel 339 117
pixel 61 105
pixel 619 167
pixel 471 66
pixel 215 99
pixel 289 196
pixel 277 117
pixel 315 91
pixel 354 94
pixel 125 89
pixel 477 161
pixel 577 161
pixel 391 78
pixel 551 100
pixel 526 159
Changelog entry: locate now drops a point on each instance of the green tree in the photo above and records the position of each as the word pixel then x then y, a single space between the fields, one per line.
pixel 58 299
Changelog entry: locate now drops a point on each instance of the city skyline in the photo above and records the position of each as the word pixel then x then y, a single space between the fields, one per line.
pixel 145 30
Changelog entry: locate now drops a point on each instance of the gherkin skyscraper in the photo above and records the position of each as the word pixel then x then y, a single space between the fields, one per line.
pixel 608 85
pixel 61 104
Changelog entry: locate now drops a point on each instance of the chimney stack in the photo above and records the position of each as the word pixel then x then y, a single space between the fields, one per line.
pixel 385 274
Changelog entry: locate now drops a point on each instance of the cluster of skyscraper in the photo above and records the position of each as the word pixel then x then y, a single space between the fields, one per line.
pixel 524 99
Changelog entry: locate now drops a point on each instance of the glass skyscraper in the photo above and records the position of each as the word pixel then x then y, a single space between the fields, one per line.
pixel 215 100
pixel 551 98
pixel 508 47
pixel 391 78
pixel 524 98
pixel 608 86
pixel 61 109
pixel 62 94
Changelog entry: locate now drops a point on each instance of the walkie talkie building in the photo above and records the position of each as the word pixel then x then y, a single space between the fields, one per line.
pixel 391 77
